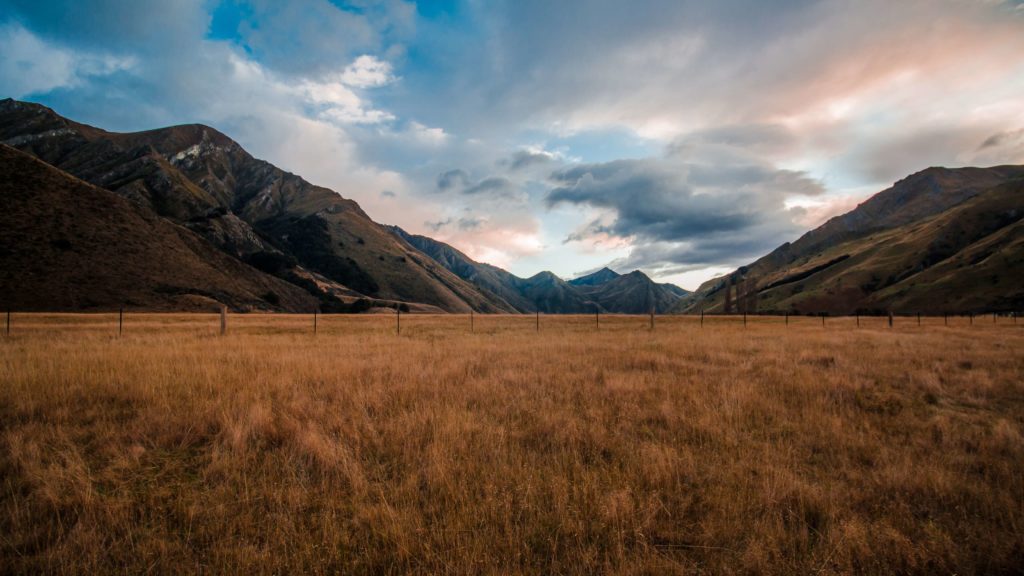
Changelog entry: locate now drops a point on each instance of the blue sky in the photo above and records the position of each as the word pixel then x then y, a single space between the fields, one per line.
pixel 680 137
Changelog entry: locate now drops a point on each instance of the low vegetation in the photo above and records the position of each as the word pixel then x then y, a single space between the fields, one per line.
pixel 768 449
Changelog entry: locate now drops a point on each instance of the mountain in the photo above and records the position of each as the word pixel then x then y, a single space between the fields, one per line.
pixel 68 245
pixel 200 179
pixel 941 240
pixel 604 290
pixel 632 293
pixel 593 279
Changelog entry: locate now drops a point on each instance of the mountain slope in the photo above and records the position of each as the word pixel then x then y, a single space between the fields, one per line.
pixel 503 285
pixel 68 245
pixel 200 178
pixel 941 240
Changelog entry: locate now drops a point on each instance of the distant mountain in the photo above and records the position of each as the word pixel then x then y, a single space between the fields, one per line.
pixel 68 245
pixel 198 178
pixel 941 240
pixel 604 290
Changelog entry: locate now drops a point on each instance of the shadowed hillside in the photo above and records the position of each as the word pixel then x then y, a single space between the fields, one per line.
pixel 68 245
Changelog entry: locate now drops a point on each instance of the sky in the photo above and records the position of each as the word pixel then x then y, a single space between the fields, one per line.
pixel 683 138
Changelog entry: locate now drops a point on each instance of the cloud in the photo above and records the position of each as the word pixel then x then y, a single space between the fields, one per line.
pixel 494 187
pixel 526 158
pixel 367 71
pixel 452 179
pixel 685 213
pixel 31 66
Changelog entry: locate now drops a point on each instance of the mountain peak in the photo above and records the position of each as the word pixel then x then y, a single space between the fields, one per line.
pixel 595 278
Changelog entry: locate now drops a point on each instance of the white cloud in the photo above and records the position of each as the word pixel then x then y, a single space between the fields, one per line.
pixel 368 72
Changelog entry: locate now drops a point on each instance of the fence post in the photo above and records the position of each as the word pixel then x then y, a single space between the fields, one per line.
pixel 822 319
pixel 744 319
pixel 787 318
pixel 972 318
pixel 857 314
pixel 120 321
pixel 993 317
pixel 398 321
pixel 314 322
pixel 8 321
pixel 918 318
pixel 652 319
pixel 890 319
pixel 223 319
pixel 701 317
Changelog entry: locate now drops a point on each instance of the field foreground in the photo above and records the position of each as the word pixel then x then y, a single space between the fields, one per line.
pixel 568 450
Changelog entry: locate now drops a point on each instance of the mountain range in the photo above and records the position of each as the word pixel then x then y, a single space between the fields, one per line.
pixel 184 218
pixel 939 241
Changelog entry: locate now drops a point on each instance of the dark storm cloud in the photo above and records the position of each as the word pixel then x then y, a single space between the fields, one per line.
pixel 659 200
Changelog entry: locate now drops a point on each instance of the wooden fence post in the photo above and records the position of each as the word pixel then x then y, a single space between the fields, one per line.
pixel 945 318
pixel 8 321
pixel 120 322
pixel 597 317
pixel 890 319
pixel 398 321
pixel 918 318
pixel 972 318
pixel 652 320
pixel 857 314
pixel 744 319
pixel 787 318
pixel 701 317
pixel 223 319
pixel 822 319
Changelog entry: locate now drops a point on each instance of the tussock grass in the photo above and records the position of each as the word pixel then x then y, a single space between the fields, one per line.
pixel 766 449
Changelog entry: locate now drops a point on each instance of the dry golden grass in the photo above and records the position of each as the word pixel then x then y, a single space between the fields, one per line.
pixel 769 449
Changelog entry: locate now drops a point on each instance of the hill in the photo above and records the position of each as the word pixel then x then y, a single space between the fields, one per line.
pixel 68 245
pixel 942 240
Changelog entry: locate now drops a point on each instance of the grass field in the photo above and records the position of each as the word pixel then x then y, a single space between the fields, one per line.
pixel 573 450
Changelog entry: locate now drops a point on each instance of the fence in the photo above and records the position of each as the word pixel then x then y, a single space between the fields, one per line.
pixel 121 322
